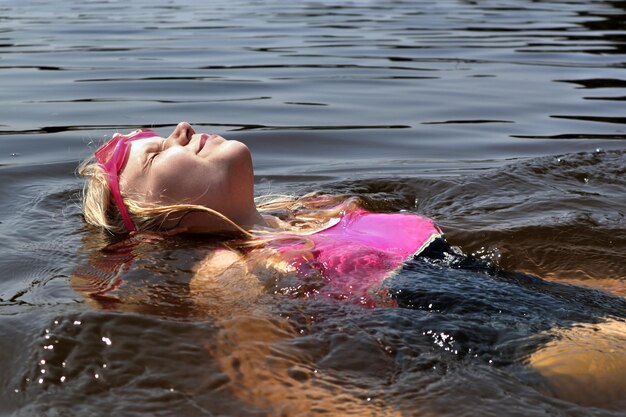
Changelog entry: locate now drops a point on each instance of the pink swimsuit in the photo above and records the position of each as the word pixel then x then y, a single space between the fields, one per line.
pixel 351 258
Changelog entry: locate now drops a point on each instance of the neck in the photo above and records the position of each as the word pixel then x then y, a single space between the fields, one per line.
pixel 253 219
pixel 201 222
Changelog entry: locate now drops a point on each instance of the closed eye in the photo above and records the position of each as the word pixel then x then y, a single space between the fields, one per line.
pixel 152 153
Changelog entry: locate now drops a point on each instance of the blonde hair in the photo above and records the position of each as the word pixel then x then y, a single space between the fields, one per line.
pixel 302 214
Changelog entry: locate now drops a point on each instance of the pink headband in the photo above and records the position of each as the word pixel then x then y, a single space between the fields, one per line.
pixel 111 156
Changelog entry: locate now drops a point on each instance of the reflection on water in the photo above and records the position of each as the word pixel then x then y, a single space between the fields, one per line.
pixel 501 120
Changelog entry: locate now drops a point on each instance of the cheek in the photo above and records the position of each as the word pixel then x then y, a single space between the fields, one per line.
pixel 220 181
pixel 178 177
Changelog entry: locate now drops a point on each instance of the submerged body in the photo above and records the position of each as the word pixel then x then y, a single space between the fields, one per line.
pixel 349 258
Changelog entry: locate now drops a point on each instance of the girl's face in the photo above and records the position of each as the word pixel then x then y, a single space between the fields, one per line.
pixel 191 168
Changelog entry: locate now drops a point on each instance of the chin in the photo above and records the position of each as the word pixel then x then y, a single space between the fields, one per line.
pixel 239 154
pixel 237 146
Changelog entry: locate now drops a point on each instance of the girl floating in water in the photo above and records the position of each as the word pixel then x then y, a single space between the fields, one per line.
pixel 203 184
pixel 146 185
pixel 199 183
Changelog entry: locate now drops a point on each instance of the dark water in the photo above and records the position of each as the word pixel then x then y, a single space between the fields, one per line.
pixel 503 120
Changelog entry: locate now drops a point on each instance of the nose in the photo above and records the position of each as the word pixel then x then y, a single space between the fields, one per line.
pixel 180 136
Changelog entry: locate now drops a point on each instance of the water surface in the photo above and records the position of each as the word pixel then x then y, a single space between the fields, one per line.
pixel 503 120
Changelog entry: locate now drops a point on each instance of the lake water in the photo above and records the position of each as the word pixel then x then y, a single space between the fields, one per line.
pixel 504 120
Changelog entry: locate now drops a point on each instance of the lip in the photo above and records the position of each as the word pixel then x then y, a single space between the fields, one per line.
pixel 203 140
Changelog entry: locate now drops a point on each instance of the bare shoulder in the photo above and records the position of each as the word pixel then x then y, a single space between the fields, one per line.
pixel 223 279
pixel 218 260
